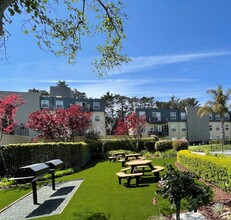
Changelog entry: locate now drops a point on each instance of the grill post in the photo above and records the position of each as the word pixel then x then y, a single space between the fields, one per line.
pixel 34 189
pixel 53 180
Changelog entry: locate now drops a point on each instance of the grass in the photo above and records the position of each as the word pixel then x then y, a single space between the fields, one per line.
pixel 100 197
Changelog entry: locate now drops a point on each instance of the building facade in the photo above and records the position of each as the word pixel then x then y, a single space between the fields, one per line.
pixel 173 124
pixel 59 98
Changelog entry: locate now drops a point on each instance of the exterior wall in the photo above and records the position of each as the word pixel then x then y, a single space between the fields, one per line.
pixel 98 123
pixel 215 133
pixel 197 127
pixel 177 130
pixel 14 139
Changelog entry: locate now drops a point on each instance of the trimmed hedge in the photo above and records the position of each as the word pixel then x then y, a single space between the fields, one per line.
pixel 16 155
pixel 180 144
pixel 215 170
pixel 163 145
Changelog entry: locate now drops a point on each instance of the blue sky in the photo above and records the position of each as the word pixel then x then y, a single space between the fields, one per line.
pixel 178 47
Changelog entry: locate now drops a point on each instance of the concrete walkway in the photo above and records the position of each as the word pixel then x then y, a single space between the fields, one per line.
pixel 191 216
pixel 50 202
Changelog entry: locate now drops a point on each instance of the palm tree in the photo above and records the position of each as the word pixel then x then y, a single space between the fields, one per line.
pixel 218 105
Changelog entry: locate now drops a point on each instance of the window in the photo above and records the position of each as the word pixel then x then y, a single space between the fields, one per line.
pixel 83 104
pixel 141 113
pixel 156 116
pixel 173 115
pixel 210 127
pixel 210 117
pixel 158 128
pixel 218 128
pixel 96 105
pixel 217 117
pixel 227 116
pixel 218 137
pixel 97 118
pixel 59 104
pixel 183 115
pixel 44 103
pixel 183 128
pixel 226 127
pixel 173 128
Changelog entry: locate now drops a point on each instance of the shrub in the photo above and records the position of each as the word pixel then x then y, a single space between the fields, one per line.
pixel 17 155
pixel 215 170
pixel 163 145
pixel 180 144
pixel 177 185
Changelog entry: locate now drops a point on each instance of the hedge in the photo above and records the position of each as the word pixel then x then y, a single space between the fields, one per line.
pixel 180 144
pixel 16 155
pixel 215 170
pixel 163 145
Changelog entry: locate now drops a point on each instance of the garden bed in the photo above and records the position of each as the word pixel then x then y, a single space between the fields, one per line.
pixel 220 196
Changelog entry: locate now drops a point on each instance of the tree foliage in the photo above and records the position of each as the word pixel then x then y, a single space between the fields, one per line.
pixel 131 127
pixel 8 109
pixel 61 32
pixel 177 185
pixel 62 124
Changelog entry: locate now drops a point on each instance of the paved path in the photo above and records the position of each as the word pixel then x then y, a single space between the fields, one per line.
pixel 50 202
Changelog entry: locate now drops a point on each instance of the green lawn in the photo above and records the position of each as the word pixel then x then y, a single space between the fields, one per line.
pixel 100 197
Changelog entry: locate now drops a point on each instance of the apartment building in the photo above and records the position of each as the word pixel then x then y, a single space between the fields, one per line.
pixel 173 124
pixel 59 98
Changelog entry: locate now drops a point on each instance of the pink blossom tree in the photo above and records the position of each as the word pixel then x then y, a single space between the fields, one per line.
pixel 132 128
pixel 62 124
pixel 8 109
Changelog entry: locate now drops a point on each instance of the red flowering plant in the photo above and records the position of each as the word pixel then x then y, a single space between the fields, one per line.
pixel 131 127
pixel 62 124
pixel 8 109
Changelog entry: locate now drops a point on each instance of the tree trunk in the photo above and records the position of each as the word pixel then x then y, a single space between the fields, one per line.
pixel 222 134
pixel 3 6
pixel 178 210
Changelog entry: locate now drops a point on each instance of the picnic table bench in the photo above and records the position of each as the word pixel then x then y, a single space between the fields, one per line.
pixel 123 175
pixel 156 171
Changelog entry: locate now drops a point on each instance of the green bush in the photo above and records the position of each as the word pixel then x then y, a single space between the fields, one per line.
pixel 72 154
pixel 180 144
pixel 163 145
pixel 166 154
pixel 215 170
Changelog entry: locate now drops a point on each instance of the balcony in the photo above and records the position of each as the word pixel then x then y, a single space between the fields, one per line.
pixel 157 120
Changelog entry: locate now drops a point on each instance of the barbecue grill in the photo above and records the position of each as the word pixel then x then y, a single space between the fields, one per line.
pixel 54 165
pixel 31 173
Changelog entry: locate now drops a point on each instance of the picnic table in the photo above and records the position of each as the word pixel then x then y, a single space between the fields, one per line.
pixel 135 163
pixel 136 155
pixel 119 154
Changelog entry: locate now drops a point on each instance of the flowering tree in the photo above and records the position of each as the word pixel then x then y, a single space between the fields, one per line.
pixel 61 124
pixel 8 109
pixel 132 127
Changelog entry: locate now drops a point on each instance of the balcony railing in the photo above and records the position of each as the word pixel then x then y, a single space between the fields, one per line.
pixel 159 133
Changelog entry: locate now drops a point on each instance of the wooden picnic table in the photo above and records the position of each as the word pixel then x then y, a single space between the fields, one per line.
pixel 119 154
pixel 135 163
pixel 136 155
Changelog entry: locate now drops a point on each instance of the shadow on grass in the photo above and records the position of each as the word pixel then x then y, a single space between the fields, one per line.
pixel 149 179
pixel 91 164
pixel 93 216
